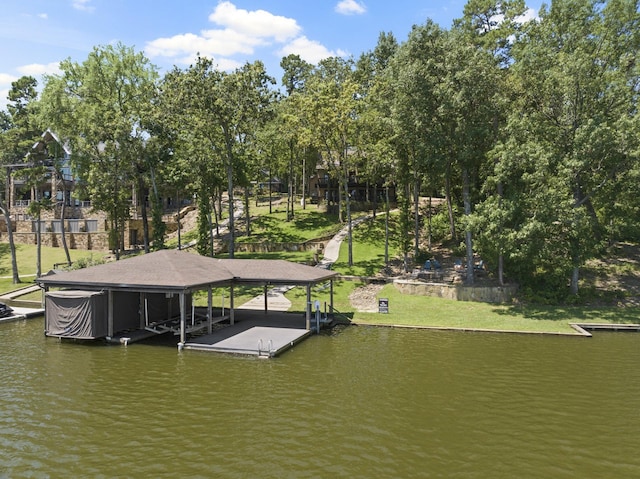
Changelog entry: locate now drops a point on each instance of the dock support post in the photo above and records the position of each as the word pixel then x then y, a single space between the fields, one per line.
pixel 331 295
pixel 308 313
pixel 144 312
pixel 231 311
pixel 110 313
pixel 209 310
pixel 266 303
pixel 183 317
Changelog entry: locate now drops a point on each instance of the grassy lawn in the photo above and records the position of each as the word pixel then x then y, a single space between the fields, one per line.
pixel 306 225
pixel 26 258
pixel 425 311
pixel 367 249
pixel 436 312
pixel 368 255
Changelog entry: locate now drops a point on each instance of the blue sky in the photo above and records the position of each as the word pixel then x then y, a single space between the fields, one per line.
pixel 35 35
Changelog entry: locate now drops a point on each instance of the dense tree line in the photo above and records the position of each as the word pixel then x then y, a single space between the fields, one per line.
pixel 529 129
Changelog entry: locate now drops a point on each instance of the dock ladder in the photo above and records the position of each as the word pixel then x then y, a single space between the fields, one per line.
pixel 265 353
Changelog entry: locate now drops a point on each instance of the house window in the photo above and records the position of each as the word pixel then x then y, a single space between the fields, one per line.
pixel 92 226
pixel 74 226
pixel 34 226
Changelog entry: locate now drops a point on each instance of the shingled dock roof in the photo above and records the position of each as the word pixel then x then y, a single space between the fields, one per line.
pixel 180 271
pixel 276 271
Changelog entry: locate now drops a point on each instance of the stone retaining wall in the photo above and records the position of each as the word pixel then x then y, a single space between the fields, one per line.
pixel 88 241
pixel 314 245
pixel 487 294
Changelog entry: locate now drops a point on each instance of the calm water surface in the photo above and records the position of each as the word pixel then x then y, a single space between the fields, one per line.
pixel 360 402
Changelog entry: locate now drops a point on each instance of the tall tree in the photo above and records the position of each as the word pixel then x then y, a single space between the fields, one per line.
pixel 220 112
pixel 376 131
pixel 573 138
pixel 19 133
pixel 331 102
pixel 104 101
pixel 295 127
pixel 415 76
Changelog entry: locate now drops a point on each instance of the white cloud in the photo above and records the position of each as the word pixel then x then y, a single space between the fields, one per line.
pixel 309 50
pixel 6 79
pixel 530 14
pixel 4 93
pixel 38 69
pixel 83 5
pixel 209 43
pixel 5 85
pixel 44 16
pixel 237 35
pixel 242 33
pixel 350 7
pixel 255 24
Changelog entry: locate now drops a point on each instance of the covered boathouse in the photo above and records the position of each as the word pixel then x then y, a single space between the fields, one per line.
pixel 152 293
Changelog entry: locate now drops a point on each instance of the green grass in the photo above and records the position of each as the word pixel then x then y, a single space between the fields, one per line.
pixel 426 311
pixel 303 257
pixel 367 249
pixel 220 296
pixel 26 258
pixel 368 255
pixel 306 225
pixel 436 312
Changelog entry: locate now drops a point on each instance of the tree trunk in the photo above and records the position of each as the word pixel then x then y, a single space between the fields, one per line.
pixel 575 277
pixel 145 219
pixel 386 226
pixel 63 231
pixel 304 181
pixel 270 193
pixel 12 244
pixel 416 213
pixel 349 225
pixel 500 255
pixel 341 189
pixel 447 189
pixel 179 220
pixel 429 224
pixel 375 199
pixel 246 211
pixel 39 241
pixel 231 199
pixel 211 245
pixel 467 211
pixel 216 215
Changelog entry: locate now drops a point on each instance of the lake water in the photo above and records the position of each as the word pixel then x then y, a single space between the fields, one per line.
pixel 359 402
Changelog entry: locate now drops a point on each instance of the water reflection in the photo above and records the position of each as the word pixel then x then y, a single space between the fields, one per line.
pixel 364 402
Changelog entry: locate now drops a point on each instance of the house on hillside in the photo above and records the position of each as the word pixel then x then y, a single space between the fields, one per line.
pixel 324 189
pixel 85 227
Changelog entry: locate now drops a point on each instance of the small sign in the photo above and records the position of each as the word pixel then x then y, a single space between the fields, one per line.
pixel 383 305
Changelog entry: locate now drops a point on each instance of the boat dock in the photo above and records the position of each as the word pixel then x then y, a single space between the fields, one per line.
pixel 584 328
pixel 22 313
pixel 254 333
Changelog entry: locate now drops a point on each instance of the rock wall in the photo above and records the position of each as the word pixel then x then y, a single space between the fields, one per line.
pixel 87 241
pixel 482 293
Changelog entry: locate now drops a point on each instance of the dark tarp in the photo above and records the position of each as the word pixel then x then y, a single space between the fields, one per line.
pixel 76 314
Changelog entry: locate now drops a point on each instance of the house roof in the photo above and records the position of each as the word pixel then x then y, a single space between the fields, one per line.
pixel 177 270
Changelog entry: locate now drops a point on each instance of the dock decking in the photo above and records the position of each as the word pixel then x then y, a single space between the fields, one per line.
pixel 254 333
pixel 22 313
